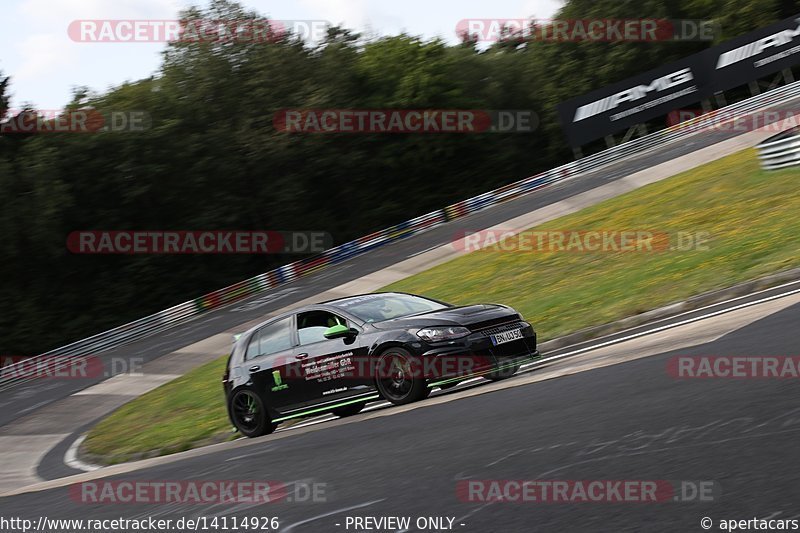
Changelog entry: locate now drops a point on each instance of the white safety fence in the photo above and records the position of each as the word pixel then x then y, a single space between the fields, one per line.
pixel 781 150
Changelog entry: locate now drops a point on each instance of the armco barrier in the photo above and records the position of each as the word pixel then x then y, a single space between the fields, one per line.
pixel 781 150
pixel 180 313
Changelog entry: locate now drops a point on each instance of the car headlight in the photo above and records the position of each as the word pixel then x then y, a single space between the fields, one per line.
pixel 445 333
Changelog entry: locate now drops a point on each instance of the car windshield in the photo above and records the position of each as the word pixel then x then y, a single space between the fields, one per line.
pixel 378 307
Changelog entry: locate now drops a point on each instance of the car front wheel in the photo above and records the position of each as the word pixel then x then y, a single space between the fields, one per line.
pixel 397 380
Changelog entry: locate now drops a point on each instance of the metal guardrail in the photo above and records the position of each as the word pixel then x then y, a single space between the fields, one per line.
pixel 781 150
pixel 181 313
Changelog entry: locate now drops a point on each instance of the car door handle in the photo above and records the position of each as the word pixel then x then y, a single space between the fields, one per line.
pixel 301 356
pixel 255 368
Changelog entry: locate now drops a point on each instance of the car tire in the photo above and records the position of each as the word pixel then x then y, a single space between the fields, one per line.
pixel 395 378
pixel 504 373
pixel 349 410
pixel 249 415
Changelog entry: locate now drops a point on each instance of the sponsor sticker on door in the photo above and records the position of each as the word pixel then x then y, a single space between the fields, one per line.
pixel 279 384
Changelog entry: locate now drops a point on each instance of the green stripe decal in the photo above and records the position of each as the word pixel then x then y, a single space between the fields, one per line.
pixel 328 407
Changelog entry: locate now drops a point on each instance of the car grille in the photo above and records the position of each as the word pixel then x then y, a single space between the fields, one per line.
pixel 503 321
pixel 501 328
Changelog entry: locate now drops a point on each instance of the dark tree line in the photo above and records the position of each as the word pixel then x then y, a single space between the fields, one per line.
pixel 211 158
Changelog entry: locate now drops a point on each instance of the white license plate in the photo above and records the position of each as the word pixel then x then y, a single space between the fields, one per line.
pixel 506 336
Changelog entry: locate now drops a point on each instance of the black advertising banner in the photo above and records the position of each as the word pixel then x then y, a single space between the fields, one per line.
pixel 755 55
pixel 635 100
pixel 664 89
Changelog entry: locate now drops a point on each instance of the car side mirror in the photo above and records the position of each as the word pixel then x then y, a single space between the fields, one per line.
pixel 339 331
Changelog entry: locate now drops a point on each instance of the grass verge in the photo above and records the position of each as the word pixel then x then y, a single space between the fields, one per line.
pixel 185 413
pixel 750 215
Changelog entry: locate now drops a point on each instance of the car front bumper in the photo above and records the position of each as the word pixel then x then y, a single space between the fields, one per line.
pixel 476 354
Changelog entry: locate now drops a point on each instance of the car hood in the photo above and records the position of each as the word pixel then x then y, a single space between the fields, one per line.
pixel 471 316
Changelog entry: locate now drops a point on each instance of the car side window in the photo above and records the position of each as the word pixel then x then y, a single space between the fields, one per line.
pixel 311 325
pixel 270 339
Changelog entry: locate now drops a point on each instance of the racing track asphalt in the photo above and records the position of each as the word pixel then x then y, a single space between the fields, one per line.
pixel 26 398
pixel 629 421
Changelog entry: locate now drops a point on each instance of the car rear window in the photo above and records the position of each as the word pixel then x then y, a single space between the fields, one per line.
pixel 270 339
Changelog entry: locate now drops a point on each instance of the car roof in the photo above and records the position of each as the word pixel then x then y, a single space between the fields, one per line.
pixel 355 296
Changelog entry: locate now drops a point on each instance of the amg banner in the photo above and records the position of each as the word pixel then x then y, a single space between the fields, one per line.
pixel 664 89
pixel 635 100
pixel 755 55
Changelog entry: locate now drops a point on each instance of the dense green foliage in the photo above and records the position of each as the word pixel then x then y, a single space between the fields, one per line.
pixel 212 159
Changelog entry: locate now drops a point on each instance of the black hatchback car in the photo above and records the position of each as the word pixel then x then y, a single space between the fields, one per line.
pixel 336 356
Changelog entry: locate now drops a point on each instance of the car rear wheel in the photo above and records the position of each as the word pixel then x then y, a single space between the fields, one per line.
pixel 503 373
pixel 396 380
pixel 249 415
pixel 349 410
